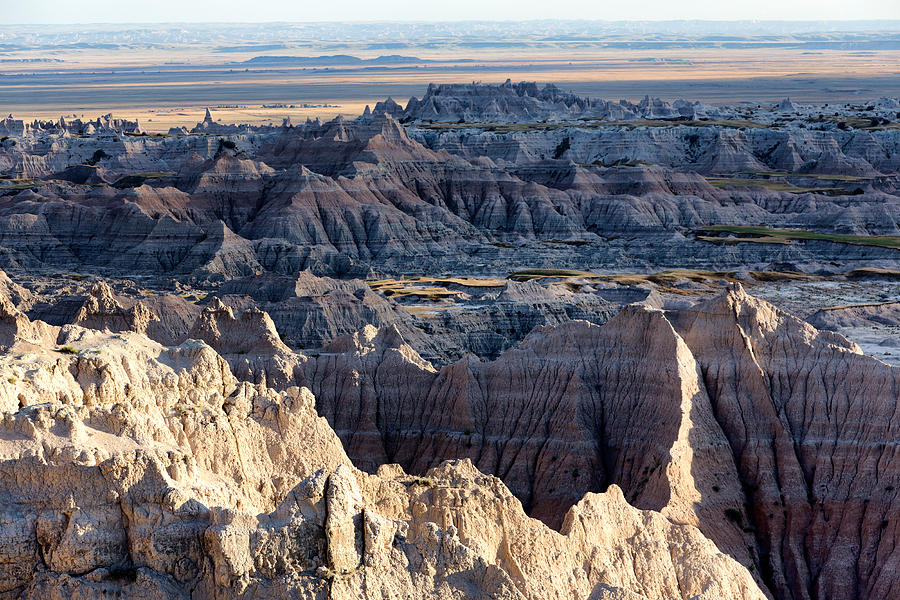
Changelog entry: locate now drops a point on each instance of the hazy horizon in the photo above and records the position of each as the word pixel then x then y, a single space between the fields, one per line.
pixel 512 19
pixel 340 66
pixel 56 12
pixel 877 24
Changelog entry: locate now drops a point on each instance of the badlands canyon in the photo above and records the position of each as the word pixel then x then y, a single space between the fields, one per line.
pixel 496 341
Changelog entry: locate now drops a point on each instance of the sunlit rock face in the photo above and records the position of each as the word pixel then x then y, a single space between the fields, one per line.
pixel 133 468
pixel 694 442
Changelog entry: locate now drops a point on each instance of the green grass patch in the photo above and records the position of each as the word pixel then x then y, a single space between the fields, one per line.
pixel 529 274
pixel 765 235
pixel 819 176
pixel 862 122
pixel 728 123
pixel 575 243
pixel 20 184
pixel 769 276
pixel 620 164
pixel 138 179
pixel 425 293
pixel 873 273
pixel 775 185
pixel 431 285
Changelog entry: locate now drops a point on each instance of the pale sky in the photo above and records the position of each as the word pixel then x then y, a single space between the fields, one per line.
pixel 156 11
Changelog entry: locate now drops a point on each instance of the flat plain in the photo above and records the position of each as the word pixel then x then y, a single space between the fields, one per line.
pixel 261 74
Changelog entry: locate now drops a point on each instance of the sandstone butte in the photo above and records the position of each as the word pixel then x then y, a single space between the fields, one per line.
pixel 728 450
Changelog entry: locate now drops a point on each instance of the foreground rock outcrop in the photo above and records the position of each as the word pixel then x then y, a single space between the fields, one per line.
pixel 809 420
pixel 770 436
pixel 134 469
pixel 725 427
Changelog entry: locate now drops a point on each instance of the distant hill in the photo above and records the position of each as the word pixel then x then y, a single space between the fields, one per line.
pixel 334 59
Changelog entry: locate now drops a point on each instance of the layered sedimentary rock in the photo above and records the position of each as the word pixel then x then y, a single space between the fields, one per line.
pixel 756 422
pixel 249 342
pixel 808 419
pixel 311 311
pixel 106 124
pixel 17 329
pixel 354 197
pixel 567 411
pixel 101 310
pixel 131 468
pixel 527 102
pixel 705 149
pixel 165 318
pixel 498 321
pixel 767 435
pixel 837 317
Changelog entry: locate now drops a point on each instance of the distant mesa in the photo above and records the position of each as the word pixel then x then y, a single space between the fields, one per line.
pixel 251 48
pixel 527 102
pixel 335 59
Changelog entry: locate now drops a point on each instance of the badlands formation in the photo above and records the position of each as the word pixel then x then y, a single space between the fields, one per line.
pixel 502 342
pixel 468 179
